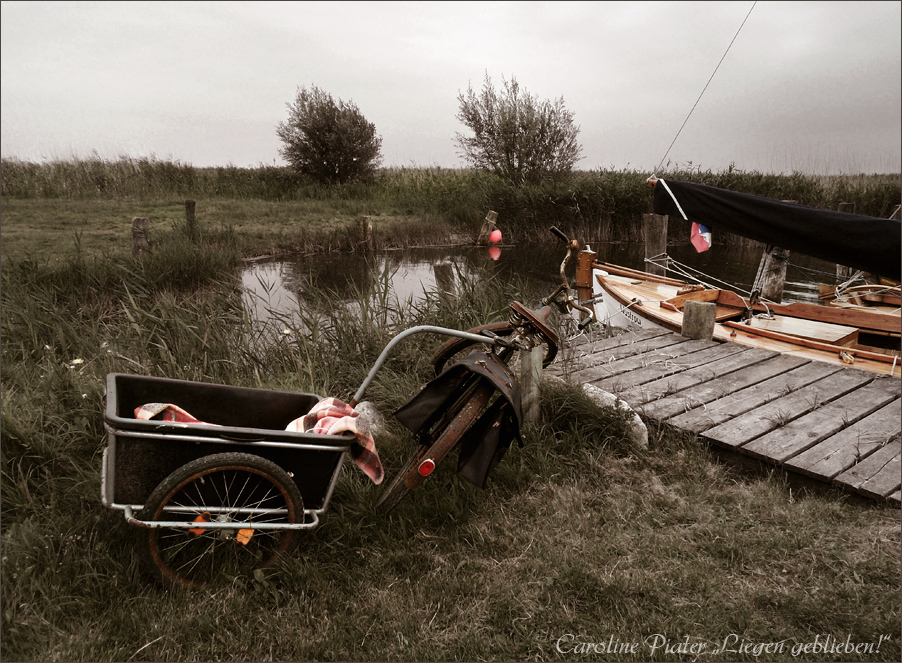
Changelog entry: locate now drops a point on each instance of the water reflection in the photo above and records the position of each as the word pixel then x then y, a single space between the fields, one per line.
pixel 279 285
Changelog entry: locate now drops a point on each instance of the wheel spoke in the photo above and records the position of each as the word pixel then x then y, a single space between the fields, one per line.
pixel 235 488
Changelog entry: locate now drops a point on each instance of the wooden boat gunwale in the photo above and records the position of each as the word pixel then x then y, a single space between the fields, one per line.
pixel 727 330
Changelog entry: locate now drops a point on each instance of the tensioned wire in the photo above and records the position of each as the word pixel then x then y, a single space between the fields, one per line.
pixel 706 87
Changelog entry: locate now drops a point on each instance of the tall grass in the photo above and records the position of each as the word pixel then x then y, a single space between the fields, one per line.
pixel 577 532
pixel 602 205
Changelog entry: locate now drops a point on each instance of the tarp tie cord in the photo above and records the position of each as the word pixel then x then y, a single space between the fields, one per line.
pixel 675 201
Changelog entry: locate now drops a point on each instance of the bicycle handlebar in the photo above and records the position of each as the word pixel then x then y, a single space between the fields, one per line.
pixel 557 232
pixel 572 245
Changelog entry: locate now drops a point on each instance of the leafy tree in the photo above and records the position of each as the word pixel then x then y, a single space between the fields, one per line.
pixel 328 141
pixel 515 135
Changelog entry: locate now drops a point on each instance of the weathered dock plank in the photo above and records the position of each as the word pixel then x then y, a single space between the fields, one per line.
pixel 599 348
pixel 816 420
pixel 718 387
pixel 803 433
pixel 585 356
pixel 878 475
pixel 745 399
pixel 627 359
pixel 743 429
pixel 672 360
pixel 654 392
pixel 842 450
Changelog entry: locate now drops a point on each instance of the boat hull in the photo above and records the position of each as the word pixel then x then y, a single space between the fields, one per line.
pixel 631 300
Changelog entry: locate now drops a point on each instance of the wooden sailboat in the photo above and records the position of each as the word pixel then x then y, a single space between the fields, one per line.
pixel 864 337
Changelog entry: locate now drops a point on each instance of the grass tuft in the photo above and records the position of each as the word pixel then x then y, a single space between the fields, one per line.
pixel 576 533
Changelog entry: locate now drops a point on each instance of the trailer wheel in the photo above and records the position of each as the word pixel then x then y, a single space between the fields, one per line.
pixel 234 490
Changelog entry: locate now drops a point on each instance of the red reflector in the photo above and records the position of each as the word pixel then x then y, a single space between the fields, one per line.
pixel 426 467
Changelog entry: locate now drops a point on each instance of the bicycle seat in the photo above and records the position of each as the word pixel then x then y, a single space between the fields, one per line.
pixel 539 319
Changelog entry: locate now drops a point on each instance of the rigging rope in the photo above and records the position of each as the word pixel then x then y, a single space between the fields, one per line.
pixel 706 86
pixel 691 274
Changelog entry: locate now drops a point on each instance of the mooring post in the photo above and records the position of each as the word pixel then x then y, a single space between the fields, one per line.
pixel 530 381
pixel 771 274
pixel 844 273
pixel 488 225
pixel 584 285
pixel 654 234
pixel 698 320
pixel 366 232
pixel 140 239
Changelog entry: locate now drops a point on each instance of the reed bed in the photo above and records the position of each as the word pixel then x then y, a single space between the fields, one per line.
pixel 602 205
pixel 579 537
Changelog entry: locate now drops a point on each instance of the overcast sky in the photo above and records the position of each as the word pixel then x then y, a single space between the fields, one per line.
pixel 808 86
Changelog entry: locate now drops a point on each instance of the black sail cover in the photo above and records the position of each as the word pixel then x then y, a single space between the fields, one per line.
pixel 867 243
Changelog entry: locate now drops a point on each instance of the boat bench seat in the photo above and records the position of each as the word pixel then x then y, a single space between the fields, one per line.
pixel 825 332
pixel 728 304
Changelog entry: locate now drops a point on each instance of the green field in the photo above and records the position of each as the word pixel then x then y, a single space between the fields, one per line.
pixel 581 544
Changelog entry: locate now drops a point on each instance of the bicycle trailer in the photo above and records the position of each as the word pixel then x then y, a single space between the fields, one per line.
pixel 142 453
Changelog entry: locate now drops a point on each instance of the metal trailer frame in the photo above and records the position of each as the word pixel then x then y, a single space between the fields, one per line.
pixel 140 454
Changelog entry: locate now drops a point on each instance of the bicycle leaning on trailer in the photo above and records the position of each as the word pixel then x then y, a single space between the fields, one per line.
pixel 231 497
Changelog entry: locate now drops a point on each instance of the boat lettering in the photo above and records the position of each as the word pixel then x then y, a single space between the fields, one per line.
pixel 632 317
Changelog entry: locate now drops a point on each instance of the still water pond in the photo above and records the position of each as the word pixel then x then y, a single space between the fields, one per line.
pixel 278 285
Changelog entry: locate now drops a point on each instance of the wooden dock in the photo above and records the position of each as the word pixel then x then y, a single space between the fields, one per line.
pixel 819 422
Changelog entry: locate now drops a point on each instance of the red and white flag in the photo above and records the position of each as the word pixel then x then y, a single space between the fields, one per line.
pixel 700 237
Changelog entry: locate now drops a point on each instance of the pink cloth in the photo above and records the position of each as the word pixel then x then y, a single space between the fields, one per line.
pixel 166 412
pixel 328 417
pixel 332 417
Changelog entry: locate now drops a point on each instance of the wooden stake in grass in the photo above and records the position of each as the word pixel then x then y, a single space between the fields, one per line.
pixel 366 232
pixel 191 219
pixel 140 239
pixel 530 379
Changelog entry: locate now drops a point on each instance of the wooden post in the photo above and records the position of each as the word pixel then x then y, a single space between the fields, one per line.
pixel 771 274
pixel 844 273
pixel 654 234
pixel 584 284
pixel 140 239
pixel 698 320
pixel 444 276
pixel 366 232
pixel 530 381
pixel 190 218
pixel 487 227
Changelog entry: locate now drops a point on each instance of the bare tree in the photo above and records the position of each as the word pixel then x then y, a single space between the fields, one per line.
pixel 516 135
